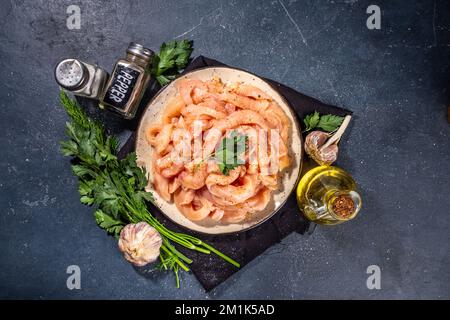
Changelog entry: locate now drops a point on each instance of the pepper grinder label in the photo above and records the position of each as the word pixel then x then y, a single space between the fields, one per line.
pixel 122 85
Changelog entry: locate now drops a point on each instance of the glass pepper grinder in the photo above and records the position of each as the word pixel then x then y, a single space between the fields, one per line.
pixel 128 81
pixel 327 195
pixel 81 78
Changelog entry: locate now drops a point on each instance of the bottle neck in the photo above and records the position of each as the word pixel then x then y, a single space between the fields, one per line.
pixel 343 205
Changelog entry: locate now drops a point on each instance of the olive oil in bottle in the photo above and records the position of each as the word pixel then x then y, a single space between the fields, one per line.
pixel 327 195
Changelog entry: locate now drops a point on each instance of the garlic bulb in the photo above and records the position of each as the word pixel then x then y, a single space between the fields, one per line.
pixel 314 148
pixel 140 243
pixel 322 147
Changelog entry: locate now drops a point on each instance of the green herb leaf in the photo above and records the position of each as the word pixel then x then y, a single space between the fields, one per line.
pixel 111 206
pixel 108 223
pixel 85 188
pixel 173 56
pixel 326 122
pixel 229 154
pixel 147 196
pixel 330 122
pixel 86 200
pixel 311 120
pixel 163 80
pixel 68 148
pixel 81 171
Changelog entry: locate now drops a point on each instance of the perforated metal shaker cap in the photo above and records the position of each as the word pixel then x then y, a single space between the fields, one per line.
pixel 70 74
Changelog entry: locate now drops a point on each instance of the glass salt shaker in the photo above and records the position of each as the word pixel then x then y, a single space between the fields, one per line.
pixel 81 78
pixel 128 81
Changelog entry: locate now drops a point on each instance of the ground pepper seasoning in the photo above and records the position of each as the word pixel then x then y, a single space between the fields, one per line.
pixel 343 206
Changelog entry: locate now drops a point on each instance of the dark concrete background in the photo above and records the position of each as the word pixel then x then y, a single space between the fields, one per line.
pixel 396 80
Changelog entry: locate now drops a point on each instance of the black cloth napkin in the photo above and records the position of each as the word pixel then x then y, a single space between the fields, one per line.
pixel 243 247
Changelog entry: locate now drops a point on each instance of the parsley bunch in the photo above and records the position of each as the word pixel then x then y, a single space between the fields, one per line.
pixel 116 187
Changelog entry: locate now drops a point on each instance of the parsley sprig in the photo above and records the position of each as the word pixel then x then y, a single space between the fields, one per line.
pixel 173 56
pixel 229 154
pixel 117 187
pixel 328 122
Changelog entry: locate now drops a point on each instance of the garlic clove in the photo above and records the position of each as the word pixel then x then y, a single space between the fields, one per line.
pixel 314 147
pixel 322 146
pixel 314 140
pixel 140 243
pixel 328 154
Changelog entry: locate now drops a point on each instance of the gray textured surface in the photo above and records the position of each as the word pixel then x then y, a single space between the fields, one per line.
pixel 395 80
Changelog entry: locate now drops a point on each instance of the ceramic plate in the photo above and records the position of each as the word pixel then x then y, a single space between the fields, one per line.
pixel 289 179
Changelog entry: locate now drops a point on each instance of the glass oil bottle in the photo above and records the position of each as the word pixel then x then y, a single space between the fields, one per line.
pixel 327 195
